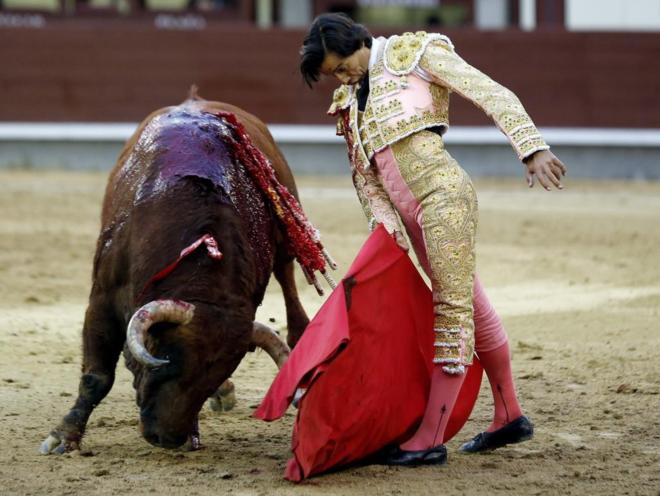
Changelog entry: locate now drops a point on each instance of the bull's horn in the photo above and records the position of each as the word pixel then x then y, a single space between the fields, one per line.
pixel 267 339
pixel 178 312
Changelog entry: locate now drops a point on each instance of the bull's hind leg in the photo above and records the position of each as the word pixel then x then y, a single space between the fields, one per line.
pixel 103 340
pixel 296 317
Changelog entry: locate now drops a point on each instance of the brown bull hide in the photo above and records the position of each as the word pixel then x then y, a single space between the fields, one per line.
pixel 175 181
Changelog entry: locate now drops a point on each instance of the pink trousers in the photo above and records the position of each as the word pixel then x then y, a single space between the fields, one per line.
pixel 489 332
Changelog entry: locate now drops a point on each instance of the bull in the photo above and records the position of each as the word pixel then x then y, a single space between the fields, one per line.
pixel 178 193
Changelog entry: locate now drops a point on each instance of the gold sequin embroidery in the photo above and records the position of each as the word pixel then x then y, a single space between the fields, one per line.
pixel 448 69
pixel 449 222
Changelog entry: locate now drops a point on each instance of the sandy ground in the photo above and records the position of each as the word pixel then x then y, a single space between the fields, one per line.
pixel 575 275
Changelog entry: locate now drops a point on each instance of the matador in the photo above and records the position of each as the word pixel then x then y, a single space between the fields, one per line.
pixel 392 111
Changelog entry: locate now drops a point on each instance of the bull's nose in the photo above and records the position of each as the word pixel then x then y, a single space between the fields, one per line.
pixel 163 440
pixel 166 441
pixel 171 441
pixel 149 431
pixel 152 438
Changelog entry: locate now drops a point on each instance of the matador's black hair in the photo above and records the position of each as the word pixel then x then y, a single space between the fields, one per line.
pixel 335 33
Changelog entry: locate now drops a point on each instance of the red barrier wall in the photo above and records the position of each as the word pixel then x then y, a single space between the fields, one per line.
pixel 121 69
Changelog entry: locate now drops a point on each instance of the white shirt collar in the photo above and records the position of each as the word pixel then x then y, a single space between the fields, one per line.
pixel 376 44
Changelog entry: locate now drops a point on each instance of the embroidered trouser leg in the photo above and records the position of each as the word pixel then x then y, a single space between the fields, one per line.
pixel 447 214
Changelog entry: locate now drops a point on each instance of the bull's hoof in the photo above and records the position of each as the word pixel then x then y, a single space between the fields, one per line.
pixel 222 403
pixel 228 400
pixel 193 443
pixel 54 444
pixel 215 404
pixel 224 399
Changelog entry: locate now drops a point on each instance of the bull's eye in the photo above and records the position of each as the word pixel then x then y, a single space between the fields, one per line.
pixel 157 376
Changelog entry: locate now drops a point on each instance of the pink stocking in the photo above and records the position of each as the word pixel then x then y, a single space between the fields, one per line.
pixel 444 391
pixel 497 364
pixel 492 346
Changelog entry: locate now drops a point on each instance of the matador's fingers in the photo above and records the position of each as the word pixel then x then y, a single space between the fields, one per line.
pixel 530 177
pixel 543 179
pixel 558 173
pixel 554 178
pixel 401 240
pixel 560 164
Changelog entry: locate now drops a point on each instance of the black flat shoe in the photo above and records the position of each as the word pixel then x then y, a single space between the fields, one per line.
pixel 516 431
pixel 431 456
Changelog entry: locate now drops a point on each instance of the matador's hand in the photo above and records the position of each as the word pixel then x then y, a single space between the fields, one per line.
pixel 401 240
pixel 547 168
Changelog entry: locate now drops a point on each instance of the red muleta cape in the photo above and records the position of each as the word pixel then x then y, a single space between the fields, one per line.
pixel 365 361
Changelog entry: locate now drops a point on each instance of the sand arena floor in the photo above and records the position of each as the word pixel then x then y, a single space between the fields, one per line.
pixel 575 276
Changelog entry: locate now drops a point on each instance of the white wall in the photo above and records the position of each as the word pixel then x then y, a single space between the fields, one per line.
pixel 295 13
pixel 527 10
pixel 613 15
pixel 491 14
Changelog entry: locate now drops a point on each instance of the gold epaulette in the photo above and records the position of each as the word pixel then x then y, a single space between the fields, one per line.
pixel 341 99
pixel 403 52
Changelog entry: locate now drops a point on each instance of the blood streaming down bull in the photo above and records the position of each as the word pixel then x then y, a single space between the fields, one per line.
pixel 177 181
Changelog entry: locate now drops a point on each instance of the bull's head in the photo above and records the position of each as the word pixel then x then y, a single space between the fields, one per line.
pixel 171 390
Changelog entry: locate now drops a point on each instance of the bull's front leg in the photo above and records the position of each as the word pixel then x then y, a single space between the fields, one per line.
pixel 296 317
pixel 103 340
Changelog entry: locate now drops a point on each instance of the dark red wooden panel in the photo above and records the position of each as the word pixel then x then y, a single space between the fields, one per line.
pixel 101 69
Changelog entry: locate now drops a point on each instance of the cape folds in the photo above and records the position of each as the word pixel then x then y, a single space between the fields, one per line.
pixel 364 364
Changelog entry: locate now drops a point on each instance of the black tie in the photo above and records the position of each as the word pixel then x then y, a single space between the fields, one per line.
pixel 363 93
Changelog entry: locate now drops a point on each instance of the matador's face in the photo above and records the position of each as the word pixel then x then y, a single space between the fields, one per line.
pixel 347 70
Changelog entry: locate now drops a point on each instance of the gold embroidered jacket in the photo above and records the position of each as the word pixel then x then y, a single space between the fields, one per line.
pixel 410 81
